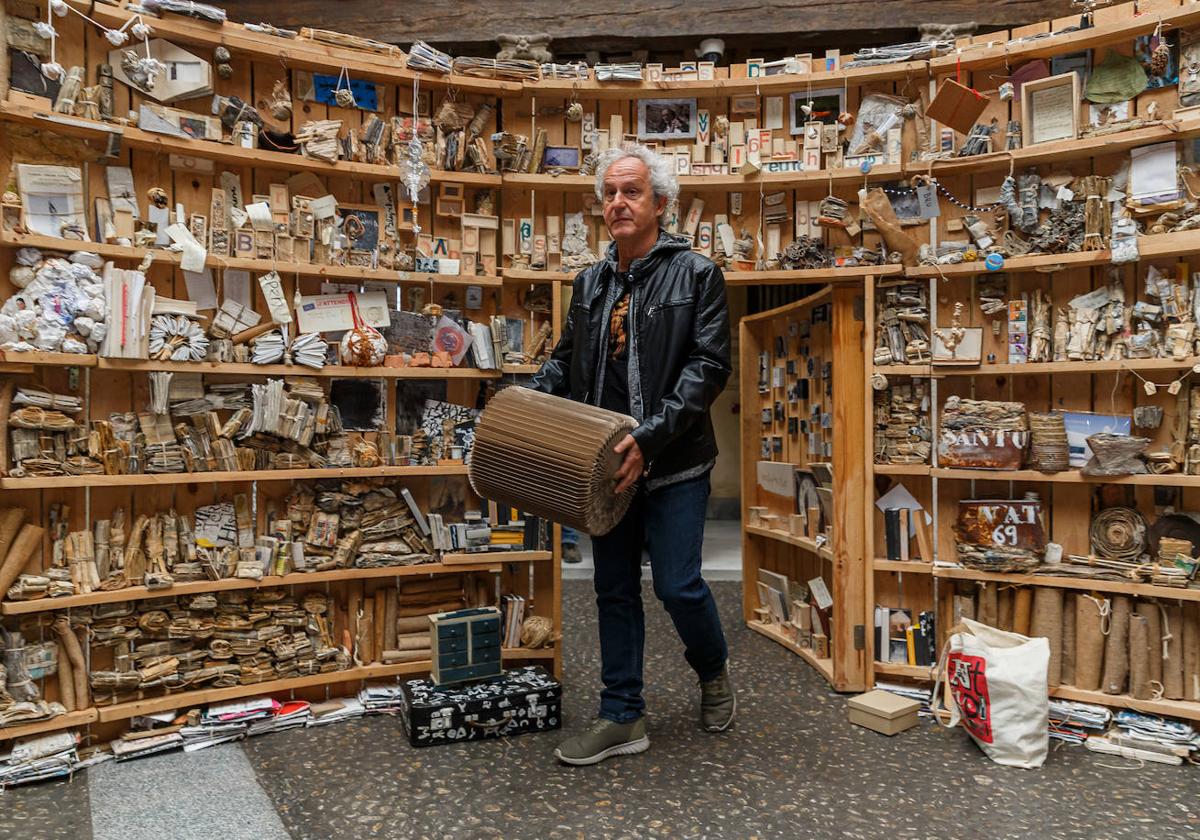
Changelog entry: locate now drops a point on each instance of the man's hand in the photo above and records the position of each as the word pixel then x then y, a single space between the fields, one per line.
pixel 631 468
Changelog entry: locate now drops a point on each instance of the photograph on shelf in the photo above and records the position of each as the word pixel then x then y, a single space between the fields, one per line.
pixel 666 119
pixel 826 105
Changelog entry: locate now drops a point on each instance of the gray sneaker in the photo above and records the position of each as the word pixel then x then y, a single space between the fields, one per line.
pixel 604 739
pixel 718 703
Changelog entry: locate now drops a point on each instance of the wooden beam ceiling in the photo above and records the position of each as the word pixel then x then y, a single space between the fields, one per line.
pixel 479 21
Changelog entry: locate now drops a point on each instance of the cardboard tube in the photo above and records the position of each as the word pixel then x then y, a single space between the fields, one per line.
pixel 377 646
pixel 1022 609
pixel 10 523
pixel 365 640
pixel 1047 622
pixel 393 656
pixel 1068 641
pixel 964 607
pixel 389 621
pixel 1139 656
pixel 412 641
pixel 66 680
pixel 1173 661
pixel 1149 609
pixel 413 624
pixel 1004 608
pixel 429 609
pixel 75 655
pixel 988 609
pixel 1089 644
pixel 1191 651
pixel 1116 651
pixel 28 540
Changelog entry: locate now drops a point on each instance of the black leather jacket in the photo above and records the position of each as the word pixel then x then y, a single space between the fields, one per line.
pixel 678 352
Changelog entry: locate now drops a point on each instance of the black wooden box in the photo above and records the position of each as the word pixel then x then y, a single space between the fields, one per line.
pixel 518 701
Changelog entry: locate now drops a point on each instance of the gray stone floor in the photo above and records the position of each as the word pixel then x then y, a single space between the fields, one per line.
pixel 722 553
pixel 792 767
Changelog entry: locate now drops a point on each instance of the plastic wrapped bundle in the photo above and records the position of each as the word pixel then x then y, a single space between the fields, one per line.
pixel 551 457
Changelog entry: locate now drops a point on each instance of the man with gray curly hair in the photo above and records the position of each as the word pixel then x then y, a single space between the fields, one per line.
pixel 648 335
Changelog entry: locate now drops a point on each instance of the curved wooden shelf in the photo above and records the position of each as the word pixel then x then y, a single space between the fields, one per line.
pixel 312 55
pixel 534 276
pixel 1071 368
pixel 824 666
pixel 780 277
pixel 824 552
pixel 520 370
pixel 478 563
pixel 819 179
pixel 1189 710
pixel 59 482
pixel 1068 477
pixel 227 153
pixel 9 239
pixel 202 697
pixel 54 724
pixel 1145 590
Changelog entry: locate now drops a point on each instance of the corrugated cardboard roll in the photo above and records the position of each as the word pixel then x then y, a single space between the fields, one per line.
pixel 1173 660
pixel 551 457
pixel 1191 651
pixel 988 610
pixel 1047 621
pixel 1153 616
pixel 1139 656
pixel 1089 643
pixel 1068 640
pixel 1116 651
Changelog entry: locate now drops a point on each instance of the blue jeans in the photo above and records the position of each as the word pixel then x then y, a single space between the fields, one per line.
pixel 669 524
pixel 569 536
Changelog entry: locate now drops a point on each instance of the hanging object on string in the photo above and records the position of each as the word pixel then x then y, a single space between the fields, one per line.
pixel 957 105
pixel 344 96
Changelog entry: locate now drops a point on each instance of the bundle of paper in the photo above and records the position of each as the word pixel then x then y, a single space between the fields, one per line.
pixel 250 709
pixel 268 349
pixel 1074 722
pixel 618 72
pixel 512 70
pixel 921 695
pixel 424 57
pixel 289 715
pixel 334 711
pixel 141 747
pixel 381 699
pixel 210 734
pixel 309 350
pixel 38 758
pixel 551 457
pixel 31 395
pixel 1172 733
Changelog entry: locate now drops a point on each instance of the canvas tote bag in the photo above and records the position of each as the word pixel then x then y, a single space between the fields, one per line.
pixel 996 683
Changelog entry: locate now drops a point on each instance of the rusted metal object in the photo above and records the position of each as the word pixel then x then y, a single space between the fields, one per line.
pixel 1000 535
pixel 983 434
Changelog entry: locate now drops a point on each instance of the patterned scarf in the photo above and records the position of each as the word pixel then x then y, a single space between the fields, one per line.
pixel 616 327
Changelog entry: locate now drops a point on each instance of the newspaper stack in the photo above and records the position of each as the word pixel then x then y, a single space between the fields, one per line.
pixel 124 750
pixel 42 757
pixel 309 350
pixel 1074 722
pixel 334 711
pixel 424 57
pixel 618 72
pixel 289 715
pixel 381 699
pixel 210 734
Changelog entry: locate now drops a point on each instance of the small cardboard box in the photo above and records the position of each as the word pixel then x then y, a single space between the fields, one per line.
pixel 883 711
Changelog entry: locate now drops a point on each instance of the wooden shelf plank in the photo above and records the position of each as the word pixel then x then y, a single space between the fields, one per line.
pixel 817 180
pixel 1145 590
pixel 722 88
pixel 824 666
pixel 329 371
pixel 1069 477
pixel 1169 708
pixel 494 558
pixel 1157 246
pixel 54 724
pixel 900 669
pixel 521 370
pixel 9 239
pixel 166 479
pixel 903 370
pixel 203 697
pixel 849 274
pixel 305 54
pixel 913 567
pixel 478 563
pixel 805 543
pixel 901 469
pixel 535 276
pixel 227 153
pixel 1072 368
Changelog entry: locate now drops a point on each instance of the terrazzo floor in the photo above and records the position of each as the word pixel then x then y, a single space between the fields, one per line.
pixel 792 767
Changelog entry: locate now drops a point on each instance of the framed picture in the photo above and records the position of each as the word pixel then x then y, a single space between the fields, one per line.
pixel 1050 109
pixel 1102 115
pixel 360 224
pixel 827 103
pixel 561 157
pixel 743 105
pixel 666 119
